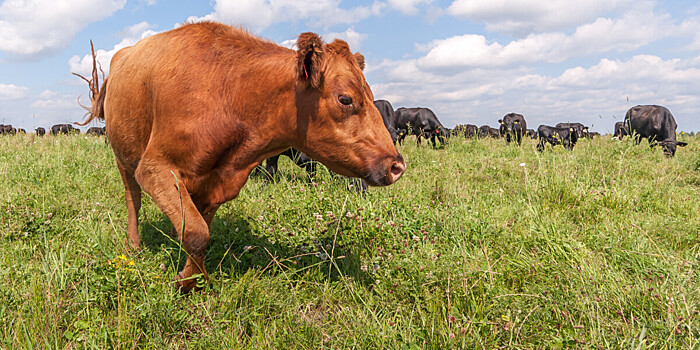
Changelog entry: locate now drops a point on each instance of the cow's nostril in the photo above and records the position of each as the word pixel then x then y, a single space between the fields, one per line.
pixel 397 169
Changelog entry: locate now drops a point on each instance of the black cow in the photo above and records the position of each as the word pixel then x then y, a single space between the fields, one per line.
pixel 556 136
pixel 656 124
pixel 387 111
pixel 7 129
pixel 304 161
pixel 513 127
pixel 466 130
pixel 40 131
pixel 470 131
pixel 21 131
pixel 487 131
pixel 531 134
pixel 593 134
pixel 421 122
pixel 95 130
pixel 63 129
pixel 581 130
pixel 620 130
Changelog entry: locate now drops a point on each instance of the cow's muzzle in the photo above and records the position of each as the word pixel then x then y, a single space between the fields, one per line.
pixel 387 171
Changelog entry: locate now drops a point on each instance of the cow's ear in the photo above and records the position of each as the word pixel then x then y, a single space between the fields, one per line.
pixel 500 121
pixel 360 60
pixel 310 58
pixel 682 144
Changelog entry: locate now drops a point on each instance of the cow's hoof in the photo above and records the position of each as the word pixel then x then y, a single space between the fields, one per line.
pixel 136 246
pixel 185 285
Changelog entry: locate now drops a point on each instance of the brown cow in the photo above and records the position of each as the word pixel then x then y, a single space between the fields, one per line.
pixel 192 111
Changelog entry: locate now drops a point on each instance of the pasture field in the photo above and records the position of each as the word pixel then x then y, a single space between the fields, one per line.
pixel 479 246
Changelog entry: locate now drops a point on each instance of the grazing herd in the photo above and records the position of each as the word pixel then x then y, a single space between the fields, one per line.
pixel 651 122
pixel 54 130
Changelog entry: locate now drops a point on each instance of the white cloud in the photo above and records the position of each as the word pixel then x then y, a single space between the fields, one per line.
pixel 51 107
pixel 521 17
pixel 260 14
pixel 31 28
pixel 46 94
pixel 12 92
pixel 602 35
pixel 131 35
pixel 408 7
pixel 353 38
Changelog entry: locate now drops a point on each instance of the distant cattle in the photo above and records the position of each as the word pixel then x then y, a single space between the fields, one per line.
pixel 96 131
pixel 513 127
pixel 656 124
pixel 556 136
pixel 484 131
pixel 40 131
pixel 21 131
pixel 581 130
pixel 7 130
pixel 593 134
pixel 620 130
pixel 421 122
pixel 531 134
pixel 487 131
pixel 63 129
pixel 466 130
pixel 470 131
pixel 387 111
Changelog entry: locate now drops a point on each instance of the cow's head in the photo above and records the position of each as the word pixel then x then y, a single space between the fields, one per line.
pixel 669 146
pixel 502 127
pixel 573 134
pixel 337 122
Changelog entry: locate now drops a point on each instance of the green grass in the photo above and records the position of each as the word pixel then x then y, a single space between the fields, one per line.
pixel 479 245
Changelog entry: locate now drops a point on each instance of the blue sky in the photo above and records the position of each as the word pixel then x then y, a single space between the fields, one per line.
pixel 470 61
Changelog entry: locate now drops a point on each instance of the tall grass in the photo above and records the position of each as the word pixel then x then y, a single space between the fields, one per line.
pixel 479 245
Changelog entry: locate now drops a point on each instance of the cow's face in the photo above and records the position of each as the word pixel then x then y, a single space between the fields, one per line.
pixel 502 127
pixel 670 146
pixel 338 123
pixel 511 124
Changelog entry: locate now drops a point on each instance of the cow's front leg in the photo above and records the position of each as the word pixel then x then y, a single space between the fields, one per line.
pixel 163 182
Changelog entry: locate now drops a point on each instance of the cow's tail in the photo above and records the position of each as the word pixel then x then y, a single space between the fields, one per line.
pixel 97 92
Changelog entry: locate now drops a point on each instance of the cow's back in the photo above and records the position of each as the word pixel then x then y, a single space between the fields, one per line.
pixel 652 121
pixel 194 66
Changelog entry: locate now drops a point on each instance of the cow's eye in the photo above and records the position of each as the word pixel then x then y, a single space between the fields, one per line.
pixel 345 100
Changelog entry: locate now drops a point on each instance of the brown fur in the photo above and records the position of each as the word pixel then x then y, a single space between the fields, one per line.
pixel 190 112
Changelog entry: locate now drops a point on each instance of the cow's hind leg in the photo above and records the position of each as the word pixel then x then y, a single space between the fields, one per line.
pixel 132 194
pixel 169 192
